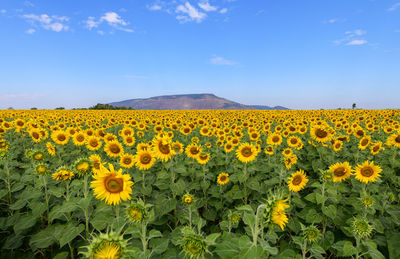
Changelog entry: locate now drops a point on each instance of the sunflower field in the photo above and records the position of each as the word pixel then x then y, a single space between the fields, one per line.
pixel 200 184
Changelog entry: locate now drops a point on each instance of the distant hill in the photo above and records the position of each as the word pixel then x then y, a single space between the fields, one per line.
pixel 189 102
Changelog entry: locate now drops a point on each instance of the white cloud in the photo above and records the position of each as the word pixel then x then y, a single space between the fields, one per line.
pixel 332 20
pixel 31 31
pixel 205 5
pixel 394 7
pixel 223 10
pixel 356 42
pixel 216 60
pixel 154 7
pixel 353 38
pixel 112 18
pixel 53 23
pixel 3 11
pixel 100 32
pixel 135 77
pixel 190 13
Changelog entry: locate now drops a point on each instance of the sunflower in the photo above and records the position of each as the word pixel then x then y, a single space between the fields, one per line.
pixel 376 148
pixel 187 199
pixel 290 160
pixel 279 216
pixel 185 130
pixel 269 150
pixel 246 152
pixel 83 166
pixel 144 160
pixel 203 158
pixel 294 142
pixel 129 140
pixel 60 137
pixel 287 152
pixel 79 139
pixel 112 186
pixel 364 142
pixel 193 150
pixel 367 172
pixel 41 169
pixel 96 163
pixel 51 149
pixel 223 178
pixel 297 181
pixel 63 174
pixel 340 171
pixel 127 160
pixel 93 143
pixel 228 147
pixel 37 155
pixel 35 135
pixel 275 139
pixel 113 149
pixel 394 140
pixel 177 146
pixel 337 145
pixel 320 133
pixel 142 146
pixel 162 150
pixel 108 246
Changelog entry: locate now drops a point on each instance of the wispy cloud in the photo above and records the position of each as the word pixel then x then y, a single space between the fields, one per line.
pixel 3 11
pixel 154 7
pixel 189 13
pixel 223 10
pixel 31 31
pixel 205 5
pixel 111 18
pixel 216 60
pixel 352 38
pixel 29 4
pixel 394 7
pixel 53 23
pixel 135 77
pixel 356 42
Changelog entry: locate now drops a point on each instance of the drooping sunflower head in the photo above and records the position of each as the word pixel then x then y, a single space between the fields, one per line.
pixel 51 149
pixel 367 201
pixel 311 234
pixel 223 178
pixel 63 173
pixel 137 212
pixel 361 228
pixel 187 199
pixel 340 171
pixel 107 246
pixel 83 166
pixel 41 169
pixel 290 160
pixel 192 244
pixel 278 215
pixel 367 172
pixel 37 155
pixel 112 186
pixel 297 181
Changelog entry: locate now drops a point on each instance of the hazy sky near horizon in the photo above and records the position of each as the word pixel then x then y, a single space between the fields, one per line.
pixel 301 54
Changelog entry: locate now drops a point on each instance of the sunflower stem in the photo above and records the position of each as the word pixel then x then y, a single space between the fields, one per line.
pixel 8 184
pixel 71 250
pixel 304 249
pixel 190 215
pixel 144 238
pixel 46 196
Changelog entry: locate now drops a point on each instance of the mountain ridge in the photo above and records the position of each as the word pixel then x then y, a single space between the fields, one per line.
pixel 204 101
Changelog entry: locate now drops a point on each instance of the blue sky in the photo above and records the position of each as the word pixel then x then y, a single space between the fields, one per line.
pixel 302 54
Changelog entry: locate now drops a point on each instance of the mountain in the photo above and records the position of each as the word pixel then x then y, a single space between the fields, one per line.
pixel 189 102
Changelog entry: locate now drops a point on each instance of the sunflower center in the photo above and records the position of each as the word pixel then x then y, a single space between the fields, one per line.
pixel 164 148
pixel 113 184
pixel 246 152
pixel 80 138
pixel 375 148
pixel 61 137
pixel 275 139
pixel 320 133
pixel 94 143
pixel 397 140
pixel 115 149
pixel 35 135
pixel 38 156
pixel 364 142
pixel 360 133
pixel 339 172
pixel 222 178
pixel 297 180
pixel 145 159
pixel 127 161
pixel 194 150
pixel 96 164
pixel 367 171
pixel 293 141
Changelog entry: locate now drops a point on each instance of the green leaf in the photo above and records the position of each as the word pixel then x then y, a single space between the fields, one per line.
pixel 24 222
pixel 313 217
pixel 249 219
pixel 319 198
pixel 287 254
pixel 317 249
pixel 59 210
pixel 159 245
pixel 18 205
pixel 101 220
pixel 349 249
pixel 179 187
pixel 13 242
pixel 69 233
pixel 246 208
pixel 311 197
pixel 153 234
pixel 62 255
pixel 393 241
pixel 44 238
pixel 329 211
pixel 210 239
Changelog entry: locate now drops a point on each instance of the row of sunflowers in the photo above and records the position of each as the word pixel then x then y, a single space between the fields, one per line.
pixel 200 184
